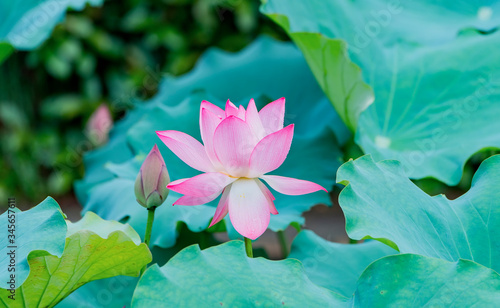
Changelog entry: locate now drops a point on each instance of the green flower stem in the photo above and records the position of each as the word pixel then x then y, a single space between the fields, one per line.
pixel 248 247
pixel 283 244
pixel 149 229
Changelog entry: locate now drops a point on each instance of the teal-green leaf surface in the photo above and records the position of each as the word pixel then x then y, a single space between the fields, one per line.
pixel 436 91
pixel 337 76
pixel 365 24
pixel 40 230
pixel 380 201
pixel 103 293
pixel 434 108
pixel 265 70
pixel 95 249
pixel 335 266
pixel 224 276
pixel 409 280
pixel 26 24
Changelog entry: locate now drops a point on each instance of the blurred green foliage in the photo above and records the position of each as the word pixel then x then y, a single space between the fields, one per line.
pixel 112 54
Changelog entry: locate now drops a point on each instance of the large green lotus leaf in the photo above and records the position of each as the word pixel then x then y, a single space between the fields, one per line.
pixel 338 77
pixel 435 105
pixel 103 293
pixel 366 24
pixel 40 230
pixel 265 70
pixel 381 202
pixel 436 108
pixel 95 249
pixel 335 266
pixel 26 24
pixel 399 280
pixel 410 280
pixel 224 276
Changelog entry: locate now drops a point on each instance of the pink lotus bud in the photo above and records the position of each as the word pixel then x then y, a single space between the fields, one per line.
pixel 99 125
pixel 151 182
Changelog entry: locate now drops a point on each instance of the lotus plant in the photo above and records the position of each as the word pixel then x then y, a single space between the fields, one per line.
pixel 151 182
pixel 240 148
pixel 151 187
pixel 99 125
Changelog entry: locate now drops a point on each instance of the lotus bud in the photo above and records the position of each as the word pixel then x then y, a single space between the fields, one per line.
pixel 99 125
pixel 151 182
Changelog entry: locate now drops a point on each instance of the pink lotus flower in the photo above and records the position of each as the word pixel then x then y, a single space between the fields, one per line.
pixel 240 147
pixel 99 125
